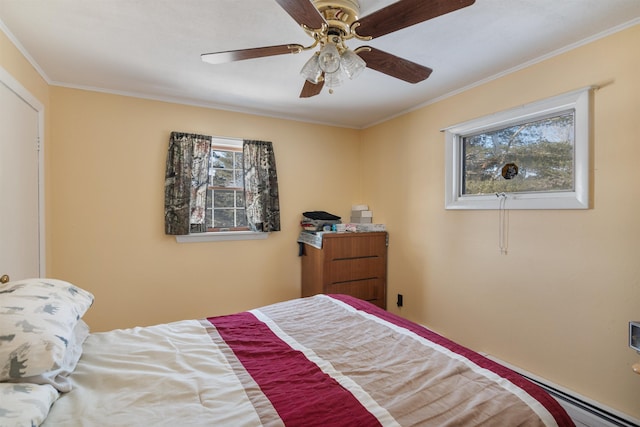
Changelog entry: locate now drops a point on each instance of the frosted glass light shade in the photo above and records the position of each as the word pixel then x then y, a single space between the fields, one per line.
pixel 311 70
pixel 334 79
pixel 329 58
pixel 352 64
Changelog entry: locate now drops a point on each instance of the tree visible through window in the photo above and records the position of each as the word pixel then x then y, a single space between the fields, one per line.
pixel 524 157
pixel 225 209
pixel 534 156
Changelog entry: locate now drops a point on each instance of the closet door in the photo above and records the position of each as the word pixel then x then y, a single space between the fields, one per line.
pixel 19 185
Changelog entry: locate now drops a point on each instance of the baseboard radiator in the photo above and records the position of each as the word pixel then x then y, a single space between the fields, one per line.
pixel 583 411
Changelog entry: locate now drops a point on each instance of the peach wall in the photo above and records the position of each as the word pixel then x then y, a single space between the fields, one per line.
pixel 104 167
pixel 559 303
pixel 15 63
pixel 107 208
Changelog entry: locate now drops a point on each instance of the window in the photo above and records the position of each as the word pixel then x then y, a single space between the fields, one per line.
pixel 220 189
pixel 225 210
pixel 528 156
pixel 535 155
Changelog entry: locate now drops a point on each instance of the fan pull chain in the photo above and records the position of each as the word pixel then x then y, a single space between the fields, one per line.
pixel 503 224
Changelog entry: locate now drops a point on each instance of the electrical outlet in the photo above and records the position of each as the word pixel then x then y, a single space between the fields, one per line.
pixel 400 300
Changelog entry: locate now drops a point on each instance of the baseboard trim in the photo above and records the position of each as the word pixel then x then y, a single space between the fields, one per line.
pixel 583 411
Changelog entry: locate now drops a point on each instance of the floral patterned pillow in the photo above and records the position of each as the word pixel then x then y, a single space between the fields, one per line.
pixel 38 318
pixel 25 404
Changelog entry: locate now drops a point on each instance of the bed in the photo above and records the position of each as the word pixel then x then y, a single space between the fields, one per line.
pixel 326 360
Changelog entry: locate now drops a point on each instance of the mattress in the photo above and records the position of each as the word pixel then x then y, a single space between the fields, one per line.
pixel 327 360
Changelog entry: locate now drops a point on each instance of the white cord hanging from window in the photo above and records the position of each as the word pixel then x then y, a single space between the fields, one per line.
pixel 503 224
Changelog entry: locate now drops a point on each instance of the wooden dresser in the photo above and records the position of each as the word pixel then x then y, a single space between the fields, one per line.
pixel 348 263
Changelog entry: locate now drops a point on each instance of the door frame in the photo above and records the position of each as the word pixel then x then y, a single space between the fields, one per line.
pixel 14 86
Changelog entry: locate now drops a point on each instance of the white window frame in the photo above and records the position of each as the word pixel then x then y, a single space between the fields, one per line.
pixel 579 101
pixel 229 145
pixel 218 236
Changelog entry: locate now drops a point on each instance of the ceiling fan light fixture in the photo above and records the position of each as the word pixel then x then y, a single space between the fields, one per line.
pixel 334 79
pixel 332 23
pixel 352 64
pixel 311 70
pixel 329 58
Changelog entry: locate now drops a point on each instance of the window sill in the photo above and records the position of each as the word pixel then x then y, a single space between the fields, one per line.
pixel 222 235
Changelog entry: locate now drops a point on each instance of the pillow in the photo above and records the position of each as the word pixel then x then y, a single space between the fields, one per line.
pixel 37 322
pixel 25 404
pixel 59 377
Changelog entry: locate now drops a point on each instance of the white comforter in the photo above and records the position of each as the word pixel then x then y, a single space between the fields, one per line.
pixel 153 376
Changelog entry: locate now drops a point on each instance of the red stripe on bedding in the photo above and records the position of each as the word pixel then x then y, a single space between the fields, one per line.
pixel 300 392
pixel 554 408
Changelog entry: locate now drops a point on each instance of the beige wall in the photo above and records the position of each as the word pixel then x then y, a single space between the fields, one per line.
pixel 559 303
pixel 107 208
pixel 104 164
pixel 12 60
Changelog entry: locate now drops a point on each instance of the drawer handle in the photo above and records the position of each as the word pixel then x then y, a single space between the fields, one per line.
pixel 355 257
pixel 355 280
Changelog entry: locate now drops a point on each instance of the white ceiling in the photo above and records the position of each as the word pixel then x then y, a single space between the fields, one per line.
pixel 151 49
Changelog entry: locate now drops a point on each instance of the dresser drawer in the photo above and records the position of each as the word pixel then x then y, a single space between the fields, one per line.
pixel 348 263
pixel 368 289
pixel 355 246
pixel 349 269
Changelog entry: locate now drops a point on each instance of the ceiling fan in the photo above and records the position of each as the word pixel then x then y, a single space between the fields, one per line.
pixel 332 22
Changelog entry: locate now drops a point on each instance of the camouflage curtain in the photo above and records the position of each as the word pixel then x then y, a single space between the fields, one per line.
pixel 185 185
pixel 261 186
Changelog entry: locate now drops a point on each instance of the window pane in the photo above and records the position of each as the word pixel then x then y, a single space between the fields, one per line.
pixel 223 218
pixel 221 178
pixel 226 194
pixel 241 218
pixel 527 157
pixel 240 199
pixel 209 212
pixel 238 159
pixel 239 178
pixel 223 199
pixel 221 159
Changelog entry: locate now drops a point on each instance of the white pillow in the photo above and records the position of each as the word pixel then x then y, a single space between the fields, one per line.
pixel 25 404
pixel 59 377
pixel 37 322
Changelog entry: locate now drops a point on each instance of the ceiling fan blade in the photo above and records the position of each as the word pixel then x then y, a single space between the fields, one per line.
pixel 303 12
pixel 405 13
pixel 393 66
pixel 310 89
pixel 242 54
